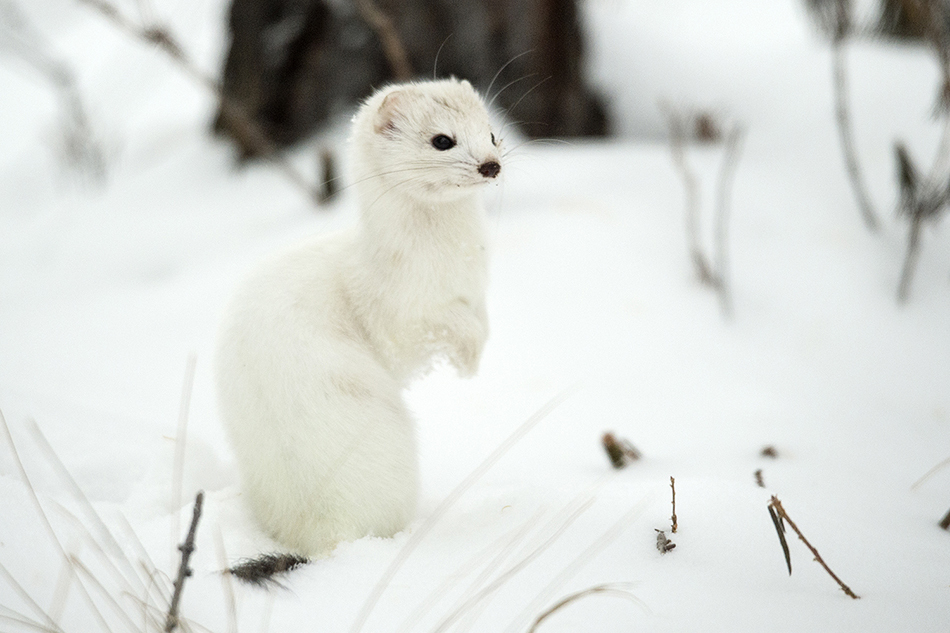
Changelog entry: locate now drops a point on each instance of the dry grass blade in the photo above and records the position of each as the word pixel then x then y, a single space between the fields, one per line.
pixel 780 530
pixel 673 518
pixel 105 538
pixel 448 502
pixel 579 562
pixel 610 589
pixel 507 575
pixel 46 522
pixel 776 509
pixel 25 596
pixel 178 469
pixel 226 585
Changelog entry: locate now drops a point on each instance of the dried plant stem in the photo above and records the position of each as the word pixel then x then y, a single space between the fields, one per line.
pixel 945 521
pixel 701 265
pixel 611 589
pixel 46 523
pixel 910 259
pixel 846 135
pixel 727 171
pixel 171 621
pixel 242 123
pixel 673 518
pixel 389 38
pixel 776 506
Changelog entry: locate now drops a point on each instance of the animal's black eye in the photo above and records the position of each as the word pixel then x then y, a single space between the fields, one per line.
pixel 493 141
pixel 442 142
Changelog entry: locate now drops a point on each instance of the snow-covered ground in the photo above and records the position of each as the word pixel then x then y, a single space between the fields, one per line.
pixel 107 292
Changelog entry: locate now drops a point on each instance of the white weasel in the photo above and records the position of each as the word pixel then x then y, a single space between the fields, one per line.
pixel 317 346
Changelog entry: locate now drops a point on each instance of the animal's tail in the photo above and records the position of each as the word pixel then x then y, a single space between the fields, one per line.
pixel 262 571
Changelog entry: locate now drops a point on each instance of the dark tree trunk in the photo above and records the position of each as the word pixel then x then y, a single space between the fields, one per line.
pixel 294 63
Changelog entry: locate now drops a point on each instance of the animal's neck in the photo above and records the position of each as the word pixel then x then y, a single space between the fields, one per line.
pixel 410 228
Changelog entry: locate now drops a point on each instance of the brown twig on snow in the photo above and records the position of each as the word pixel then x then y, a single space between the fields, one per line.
pixel 919 202
pixel 171 621
pixel 702 266
pixel 841 26
pixel 608 588
pixel 673 518
pixel 388 36
pixel 779 516
pixel 713 273
pixel 620 451
pixel 242 123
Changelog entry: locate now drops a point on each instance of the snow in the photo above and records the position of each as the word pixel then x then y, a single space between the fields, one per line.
pixel 106 292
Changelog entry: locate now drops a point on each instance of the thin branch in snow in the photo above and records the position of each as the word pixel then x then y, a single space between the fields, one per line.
pixel 920 202
pixel 727 171
pixel 677 125
pixel 945 521
pixel 702 127
pixel 846 136
pixel 673 518
pixel 172 620
pixel 779 516
pixel 81 149
pixel 241 123
pixel 393 48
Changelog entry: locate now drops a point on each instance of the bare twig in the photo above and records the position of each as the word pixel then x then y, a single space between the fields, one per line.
pixel 610 589
pixel 677 125
pixel 779 515
pixel 80 147
pixel 172 620
pixel 673 518
pixel 242 124
pixel 840 30
pixel 919 202
pixel 727 171
pixel 388 36
pixel 620 451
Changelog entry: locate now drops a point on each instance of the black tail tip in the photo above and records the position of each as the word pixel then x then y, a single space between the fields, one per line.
pixel 262 571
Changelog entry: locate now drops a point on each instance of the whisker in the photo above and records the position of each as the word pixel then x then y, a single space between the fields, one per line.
pixel 435 64
pixel 508 85
pixel 500 70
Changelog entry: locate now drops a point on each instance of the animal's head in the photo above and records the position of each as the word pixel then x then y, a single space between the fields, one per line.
pixel 428 140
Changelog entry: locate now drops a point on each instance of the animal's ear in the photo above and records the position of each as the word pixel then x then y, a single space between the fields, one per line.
pixel 389 110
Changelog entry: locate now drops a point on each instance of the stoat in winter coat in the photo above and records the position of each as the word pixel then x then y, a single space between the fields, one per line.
pixel 318 344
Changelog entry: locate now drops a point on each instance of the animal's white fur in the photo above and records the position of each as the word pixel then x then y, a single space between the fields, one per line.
pixel 318 344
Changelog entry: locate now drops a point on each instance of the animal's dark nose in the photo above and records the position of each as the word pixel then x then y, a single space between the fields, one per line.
pixel 489 169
